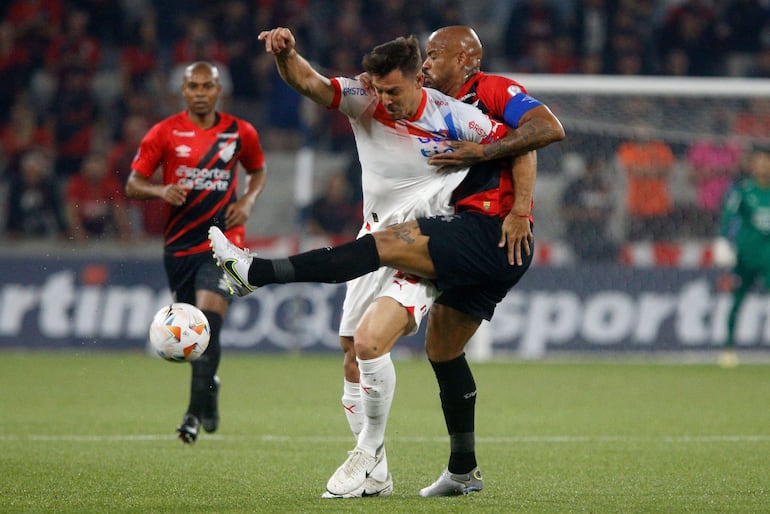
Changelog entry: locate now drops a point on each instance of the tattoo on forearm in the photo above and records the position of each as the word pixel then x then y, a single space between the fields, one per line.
pixel 530 136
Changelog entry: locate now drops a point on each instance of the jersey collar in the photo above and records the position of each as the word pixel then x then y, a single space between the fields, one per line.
pixel 423 101
pixel 468 86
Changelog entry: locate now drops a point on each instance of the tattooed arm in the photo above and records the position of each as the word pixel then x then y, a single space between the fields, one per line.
pixel 538 127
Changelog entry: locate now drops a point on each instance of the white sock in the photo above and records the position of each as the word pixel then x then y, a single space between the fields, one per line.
pixel 354 411
pixel 378 384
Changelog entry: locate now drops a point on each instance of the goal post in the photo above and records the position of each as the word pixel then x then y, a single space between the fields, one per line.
pixel 600 113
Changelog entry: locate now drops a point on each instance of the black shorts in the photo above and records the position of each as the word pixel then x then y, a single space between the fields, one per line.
pixel 473 273
pixel 188 274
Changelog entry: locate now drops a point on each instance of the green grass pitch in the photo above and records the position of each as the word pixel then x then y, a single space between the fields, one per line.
pixel 82 432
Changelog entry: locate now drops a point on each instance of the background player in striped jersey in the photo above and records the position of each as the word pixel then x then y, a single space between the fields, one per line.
pixel 198 151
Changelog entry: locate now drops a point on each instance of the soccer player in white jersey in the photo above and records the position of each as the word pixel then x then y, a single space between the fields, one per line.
pixel 396 132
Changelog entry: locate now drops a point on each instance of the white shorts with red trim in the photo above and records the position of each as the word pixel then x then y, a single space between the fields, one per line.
pixel 415 294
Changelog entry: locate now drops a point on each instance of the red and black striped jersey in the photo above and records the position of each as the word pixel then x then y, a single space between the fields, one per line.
pixel 205 162
pixel 488 187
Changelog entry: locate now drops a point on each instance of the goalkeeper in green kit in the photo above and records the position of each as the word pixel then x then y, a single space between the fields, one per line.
pixel 745 226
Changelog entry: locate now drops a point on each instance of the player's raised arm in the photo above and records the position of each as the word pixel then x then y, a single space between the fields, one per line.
pixel 294 69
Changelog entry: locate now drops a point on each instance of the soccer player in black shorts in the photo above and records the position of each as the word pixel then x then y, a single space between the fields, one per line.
pixel 199 150
pixel 475 257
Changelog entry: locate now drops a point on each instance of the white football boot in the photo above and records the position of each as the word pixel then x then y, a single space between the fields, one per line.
pixel 235 261
pixel 371 486
pixel 452 484
pixel 350 478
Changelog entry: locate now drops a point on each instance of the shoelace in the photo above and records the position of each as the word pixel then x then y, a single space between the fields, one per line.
pixel 356 462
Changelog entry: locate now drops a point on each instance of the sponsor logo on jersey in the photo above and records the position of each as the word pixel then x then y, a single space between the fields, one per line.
pixel 203 179
pixel 436 149
pixel 353 91
pixel 435 145
pixel 478 129
pixel 227 135
pixel 179 133
pixel 183 151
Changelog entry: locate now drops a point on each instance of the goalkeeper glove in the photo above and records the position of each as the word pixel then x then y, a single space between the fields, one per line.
pixel 723 253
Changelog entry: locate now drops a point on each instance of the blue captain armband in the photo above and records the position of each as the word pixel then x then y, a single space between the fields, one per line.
pixel 519 104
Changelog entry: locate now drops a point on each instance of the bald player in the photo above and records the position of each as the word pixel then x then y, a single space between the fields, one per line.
pixel 500 184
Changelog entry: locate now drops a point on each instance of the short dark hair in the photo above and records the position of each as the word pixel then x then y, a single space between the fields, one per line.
pixel 403 53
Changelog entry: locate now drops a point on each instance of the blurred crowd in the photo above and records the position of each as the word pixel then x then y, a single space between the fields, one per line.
pixel 83 80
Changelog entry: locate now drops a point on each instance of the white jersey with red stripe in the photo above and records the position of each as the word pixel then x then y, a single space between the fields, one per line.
pixel 398 183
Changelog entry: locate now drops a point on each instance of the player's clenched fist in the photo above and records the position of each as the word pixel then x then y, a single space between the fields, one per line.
pixel 277 40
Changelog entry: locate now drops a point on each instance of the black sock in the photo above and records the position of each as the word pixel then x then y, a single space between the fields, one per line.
pixel 458 401
pixel 205 367
pixel 330 265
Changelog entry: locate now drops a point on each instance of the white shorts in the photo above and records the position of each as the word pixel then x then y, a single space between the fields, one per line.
pixel 415 294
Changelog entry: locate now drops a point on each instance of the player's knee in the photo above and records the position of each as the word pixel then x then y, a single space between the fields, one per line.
pixel 442 353
pixel 367 346
pixel 368 349
pixel 442 346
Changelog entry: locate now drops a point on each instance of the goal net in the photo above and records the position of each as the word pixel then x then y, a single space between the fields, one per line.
pixel 708 125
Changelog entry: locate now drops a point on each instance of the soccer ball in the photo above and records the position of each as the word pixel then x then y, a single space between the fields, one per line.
pixel 179 332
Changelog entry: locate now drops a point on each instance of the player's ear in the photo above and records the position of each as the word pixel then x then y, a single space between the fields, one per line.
pixel 420 79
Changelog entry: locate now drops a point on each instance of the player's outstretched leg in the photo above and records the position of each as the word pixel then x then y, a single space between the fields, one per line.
pixel 452 484
pixel 235 261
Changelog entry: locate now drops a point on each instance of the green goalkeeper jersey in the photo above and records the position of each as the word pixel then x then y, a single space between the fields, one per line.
pixel 746 221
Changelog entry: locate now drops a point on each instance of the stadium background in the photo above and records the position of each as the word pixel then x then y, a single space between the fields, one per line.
pixel 82 77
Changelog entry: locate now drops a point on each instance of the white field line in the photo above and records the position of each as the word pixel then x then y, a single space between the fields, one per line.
pixel 330 439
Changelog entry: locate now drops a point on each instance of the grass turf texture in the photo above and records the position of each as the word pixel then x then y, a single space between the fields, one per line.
pixel 94 433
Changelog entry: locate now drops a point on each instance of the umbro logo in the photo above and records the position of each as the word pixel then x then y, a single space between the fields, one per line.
pixel 183 151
